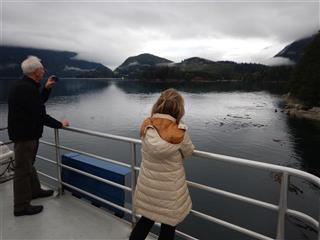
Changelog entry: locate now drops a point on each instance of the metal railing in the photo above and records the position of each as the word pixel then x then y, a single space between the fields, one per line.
pixel 281 208
pixel 6 160
pixel 7 142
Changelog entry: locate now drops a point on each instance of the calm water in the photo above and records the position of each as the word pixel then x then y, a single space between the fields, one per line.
pixel 223 118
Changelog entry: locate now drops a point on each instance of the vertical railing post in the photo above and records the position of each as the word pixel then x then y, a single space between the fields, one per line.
pixel 58 160
pixel 282 206
pixel 133 180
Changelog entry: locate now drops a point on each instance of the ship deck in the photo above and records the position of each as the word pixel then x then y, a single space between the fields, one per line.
pixel 64 217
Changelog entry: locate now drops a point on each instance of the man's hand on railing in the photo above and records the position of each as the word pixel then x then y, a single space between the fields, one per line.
pixel 65 123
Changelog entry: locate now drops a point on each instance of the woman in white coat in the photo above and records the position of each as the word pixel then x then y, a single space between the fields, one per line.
pixel 161 193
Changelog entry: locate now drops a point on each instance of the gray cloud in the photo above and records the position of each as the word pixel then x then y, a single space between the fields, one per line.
pixel 110 32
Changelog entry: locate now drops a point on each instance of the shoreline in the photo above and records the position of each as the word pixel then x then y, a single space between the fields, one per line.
pixel 296 108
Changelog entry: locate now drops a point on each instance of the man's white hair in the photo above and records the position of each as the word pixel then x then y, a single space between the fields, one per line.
pixel 30 64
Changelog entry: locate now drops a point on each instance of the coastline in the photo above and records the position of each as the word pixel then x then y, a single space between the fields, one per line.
pixel 296 108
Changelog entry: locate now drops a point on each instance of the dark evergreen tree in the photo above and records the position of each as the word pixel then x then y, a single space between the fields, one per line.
pixel 305 83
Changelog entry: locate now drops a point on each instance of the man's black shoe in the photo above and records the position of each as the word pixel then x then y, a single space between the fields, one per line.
pixel 30 210
pixel 43 193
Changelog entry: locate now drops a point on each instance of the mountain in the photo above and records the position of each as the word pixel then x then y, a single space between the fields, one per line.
pixel 133 66
pixel 60 63
pixel 199 69
pixel 195 61
pixel 305 84
pixel 194 64
pixel 295 50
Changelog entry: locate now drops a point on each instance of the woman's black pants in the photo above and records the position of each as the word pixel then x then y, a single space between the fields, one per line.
pixel 143 226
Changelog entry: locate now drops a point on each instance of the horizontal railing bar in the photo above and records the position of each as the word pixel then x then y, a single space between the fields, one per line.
pixel 6 143
pixel 97 198
pixel 182 234
pixel 48 176
pixel 177 231
pixel 241 161
pixel 303 216
pixel 47 143
pixel 50 186
pixel 261 165
pixel 253 202
pixel 88 154
pixel 231 226
pixel 219 157
pixel 234 196
pixel 137 168
pixel 6 155
pixel 46 159
pixel 96 156
pixel 103 135
pixel 6 162
pixel 97 178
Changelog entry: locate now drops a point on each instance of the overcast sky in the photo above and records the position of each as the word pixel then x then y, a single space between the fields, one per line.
pixel 108 32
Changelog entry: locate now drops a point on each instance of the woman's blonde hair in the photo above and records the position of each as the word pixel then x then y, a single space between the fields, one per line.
pixel 170 102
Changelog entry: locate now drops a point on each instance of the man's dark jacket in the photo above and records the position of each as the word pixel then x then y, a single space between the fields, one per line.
pixel 27 112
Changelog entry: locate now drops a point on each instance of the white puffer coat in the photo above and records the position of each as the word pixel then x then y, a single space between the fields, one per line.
pixel 161 193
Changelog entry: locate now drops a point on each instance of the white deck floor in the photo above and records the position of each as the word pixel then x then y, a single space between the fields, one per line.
pixel 63 217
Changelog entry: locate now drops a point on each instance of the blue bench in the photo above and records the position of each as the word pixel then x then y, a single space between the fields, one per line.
pixel 103 169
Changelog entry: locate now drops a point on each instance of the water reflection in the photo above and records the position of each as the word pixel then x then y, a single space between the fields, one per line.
pixel 70 87
pixel 200 87
pixel 306 136
pixel 65 87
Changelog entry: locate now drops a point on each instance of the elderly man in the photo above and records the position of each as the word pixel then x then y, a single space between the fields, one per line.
pixel 26 118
